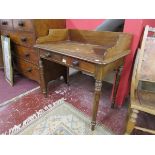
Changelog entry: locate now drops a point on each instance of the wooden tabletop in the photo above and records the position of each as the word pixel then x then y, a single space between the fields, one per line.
pixel 89 52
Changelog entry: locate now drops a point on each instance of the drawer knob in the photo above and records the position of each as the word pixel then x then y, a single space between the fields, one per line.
pixel 4 23
pixel 75 63
pixel 27 55
pixel 47 55
pixel 29 70
pixel 21 23
pixel 24 39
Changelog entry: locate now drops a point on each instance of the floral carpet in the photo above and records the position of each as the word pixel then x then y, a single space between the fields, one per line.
pixel 60 118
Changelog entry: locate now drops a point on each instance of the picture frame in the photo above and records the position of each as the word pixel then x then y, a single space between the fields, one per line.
pixel 7 59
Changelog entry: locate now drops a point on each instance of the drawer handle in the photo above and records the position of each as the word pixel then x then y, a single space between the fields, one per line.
pixel 27 55
pixel 4 23
pixel 75 63
pixel 47 55
pixel 24 39
pixel 21 23
pixel 29 70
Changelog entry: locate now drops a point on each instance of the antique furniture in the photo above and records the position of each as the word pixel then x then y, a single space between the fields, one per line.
pixel 23 34
pixel 97 53
pixel 143 82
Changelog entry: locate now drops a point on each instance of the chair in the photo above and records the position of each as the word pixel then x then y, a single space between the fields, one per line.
pixel 142 96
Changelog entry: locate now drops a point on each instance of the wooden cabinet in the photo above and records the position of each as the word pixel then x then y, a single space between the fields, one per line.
pixel 23 34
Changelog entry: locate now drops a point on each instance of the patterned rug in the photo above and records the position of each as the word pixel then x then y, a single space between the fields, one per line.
pixel 60 118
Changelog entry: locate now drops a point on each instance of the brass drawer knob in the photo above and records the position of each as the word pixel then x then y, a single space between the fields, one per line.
pixel 75 62
pixel 47 55
pixel 4 23
pixel 21 23
pixel 24 39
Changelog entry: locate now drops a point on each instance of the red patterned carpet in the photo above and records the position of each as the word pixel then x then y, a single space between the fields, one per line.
pixel 80 95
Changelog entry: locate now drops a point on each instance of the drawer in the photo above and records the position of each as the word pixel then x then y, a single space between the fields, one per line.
pixel 6 24
pixel 51 56
pixel 28 54
pixel 68 61
pixel 22 38
pixel 80 64
pixel 27 69
pixel 23 24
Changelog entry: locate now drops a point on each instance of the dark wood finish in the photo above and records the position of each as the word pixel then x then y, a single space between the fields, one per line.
pixel 118 75
pixel 68 61
pixel 28 54
pixel 23 34
pixel 23 25
pixel 27 69
pixel 58 70
pixel 98 53
pixel 22 38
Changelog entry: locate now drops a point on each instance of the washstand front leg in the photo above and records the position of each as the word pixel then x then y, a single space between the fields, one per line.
pixel 98 87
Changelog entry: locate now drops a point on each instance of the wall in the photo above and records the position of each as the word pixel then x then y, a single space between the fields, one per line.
pixel 85 24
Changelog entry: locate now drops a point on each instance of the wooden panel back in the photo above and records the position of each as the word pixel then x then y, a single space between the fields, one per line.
pixel 94 37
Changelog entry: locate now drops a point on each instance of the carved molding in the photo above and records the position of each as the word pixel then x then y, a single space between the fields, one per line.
pixel 98 85
pixel 134 115
pixel 93 123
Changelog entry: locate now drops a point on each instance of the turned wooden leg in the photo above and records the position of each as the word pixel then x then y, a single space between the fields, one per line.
pixel 116 84
pixel 66 76
pixel 98 86
pixel 132 121
pixel 43 84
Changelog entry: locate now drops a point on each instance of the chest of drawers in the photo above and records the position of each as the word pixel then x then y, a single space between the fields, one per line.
pixel 23 34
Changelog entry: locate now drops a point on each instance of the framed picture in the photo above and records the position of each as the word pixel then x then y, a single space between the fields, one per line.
pixel 7 59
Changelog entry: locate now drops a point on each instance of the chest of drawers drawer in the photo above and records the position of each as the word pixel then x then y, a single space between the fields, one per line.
pixel 6 24
pixel 27 69
pixel 22 38
pixel 28 54
pixel 68 61
pixel 23 25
